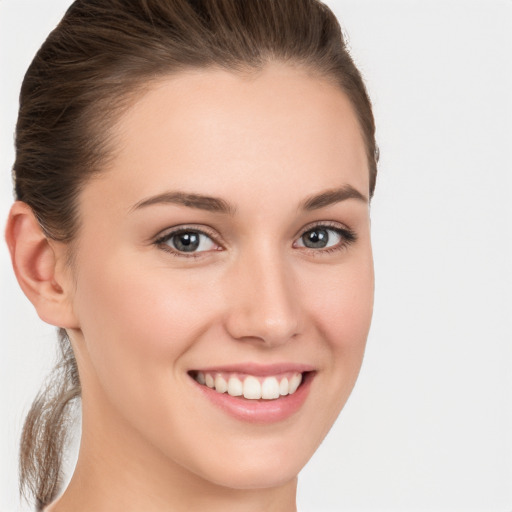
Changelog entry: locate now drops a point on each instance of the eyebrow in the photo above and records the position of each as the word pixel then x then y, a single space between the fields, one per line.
pixel 333 196
pixel 201 202
pixel 218 205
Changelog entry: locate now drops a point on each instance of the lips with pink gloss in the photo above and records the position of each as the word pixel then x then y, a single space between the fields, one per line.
pixel 254 393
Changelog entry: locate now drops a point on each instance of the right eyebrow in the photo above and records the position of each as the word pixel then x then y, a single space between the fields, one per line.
pixel 201 202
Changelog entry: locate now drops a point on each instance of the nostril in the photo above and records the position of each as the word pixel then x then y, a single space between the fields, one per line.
pixel 254 328
pixel 263 303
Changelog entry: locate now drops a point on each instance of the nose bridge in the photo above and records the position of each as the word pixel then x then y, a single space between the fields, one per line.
pixel 264 302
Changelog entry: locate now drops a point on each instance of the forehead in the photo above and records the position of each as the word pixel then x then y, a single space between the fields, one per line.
pixel 209 130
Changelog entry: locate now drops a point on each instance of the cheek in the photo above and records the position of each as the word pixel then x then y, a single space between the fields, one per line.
pixel 343 304
pixel 342 310
pixel 137 332
pixel 136 320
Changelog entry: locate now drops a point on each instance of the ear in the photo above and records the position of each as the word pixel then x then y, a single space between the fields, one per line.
pixel 40 267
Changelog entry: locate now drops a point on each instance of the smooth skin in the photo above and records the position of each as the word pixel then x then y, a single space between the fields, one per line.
pixel 141 314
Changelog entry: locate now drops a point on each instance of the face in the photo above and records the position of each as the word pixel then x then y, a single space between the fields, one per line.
pixel 227 245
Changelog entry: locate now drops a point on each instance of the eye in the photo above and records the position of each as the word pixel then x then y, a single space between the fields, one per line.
pixel 325 237
pixel 186 241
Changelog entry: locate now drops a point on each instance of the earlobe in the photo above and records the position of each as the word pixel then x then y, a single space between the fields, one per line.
pixel 39 268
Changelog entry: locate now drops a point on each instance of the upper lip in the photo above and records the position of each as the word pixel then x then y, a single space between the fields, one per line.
pixel 256 369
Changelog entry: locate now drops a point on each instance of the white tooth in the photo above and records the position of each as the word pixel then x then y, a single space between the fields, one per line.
pixel 210 382
pixel 270 388
pixel 200 378
pixel 283 387
pixel 235 387
pixel 221 386
pixel 294 382
pixel 252 388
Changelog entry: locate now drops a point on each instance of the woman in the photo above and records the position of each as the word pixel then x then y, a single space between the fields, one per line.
pixel 192 182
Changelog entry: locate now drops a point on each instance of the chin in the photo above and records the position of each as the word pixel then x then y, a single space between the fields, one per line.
pixel 256 467
pixel 264 477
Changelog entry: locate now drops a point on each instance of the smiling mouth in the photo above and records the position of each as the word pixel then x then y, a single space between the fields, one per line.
pixel 250 387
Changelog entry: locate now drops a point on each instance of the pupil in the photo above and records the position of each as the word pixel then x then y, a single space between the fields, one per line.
pixel 316 239
pixel 186 242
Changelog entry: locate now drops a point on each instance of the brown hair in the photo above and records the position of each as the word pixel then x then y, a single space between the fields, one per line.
pixel 92 65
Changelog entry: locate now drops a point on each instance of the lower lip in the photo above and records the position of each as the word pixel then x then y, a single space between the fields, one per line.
pixel 260 411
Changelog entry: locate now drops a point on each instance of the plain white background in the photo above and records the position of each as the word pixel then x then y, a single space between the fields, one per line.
pixel 429 425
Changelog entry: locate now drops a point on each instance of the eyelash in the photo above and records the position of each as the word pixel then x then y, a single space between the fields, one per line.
pixel 161 241
pixel 347 235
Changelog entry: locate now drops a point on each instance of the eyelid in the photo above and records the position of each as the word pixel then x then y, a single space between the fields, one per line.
pixel 347 234
pixel 167 233
pixel 324 224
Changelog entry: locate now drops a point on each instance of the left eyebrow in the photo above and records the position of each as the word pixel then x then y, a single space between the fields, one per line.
pixel 330 197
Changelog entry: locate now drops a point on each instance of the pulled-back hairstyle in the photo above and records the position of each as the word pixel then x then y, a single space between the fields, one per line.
pixel 90 69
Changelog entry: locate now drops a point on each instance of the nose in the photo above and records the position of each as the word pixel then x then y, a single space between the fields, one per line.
pixel 264 306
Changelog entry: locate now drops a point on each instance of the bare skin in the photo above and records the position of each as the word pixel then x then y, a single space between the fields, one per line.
pixel 142 315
